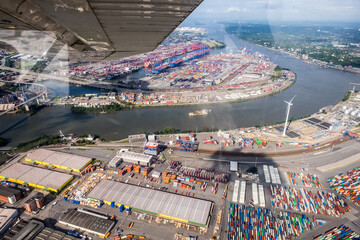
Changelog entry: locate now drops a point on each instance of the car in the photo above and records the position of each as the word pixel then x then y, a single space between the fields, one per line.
pixel 131 224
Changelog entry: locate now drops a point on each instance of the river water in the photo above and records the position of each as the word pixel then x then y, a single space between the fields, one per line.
pixel 315 88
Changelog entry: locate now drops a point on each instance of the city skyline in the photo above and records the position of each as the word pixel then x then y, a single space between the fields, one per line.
pixel 278 11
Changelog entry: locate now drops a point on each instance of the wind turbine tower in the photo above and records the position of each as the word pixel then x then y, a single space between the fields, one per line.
pixel 289 104
pixel 354 85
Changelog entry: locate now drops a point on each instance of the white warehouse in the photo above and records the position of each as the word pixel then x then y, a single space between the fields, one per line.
pixel 131 157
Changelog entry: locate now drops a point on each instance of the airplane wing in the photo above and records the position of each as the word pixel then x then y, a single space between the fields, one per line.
pixel 99 29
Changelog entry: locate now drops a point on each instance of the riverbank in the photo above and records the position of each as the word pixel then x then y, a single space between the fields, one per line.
pixel 316 87
pixel 312 61
pixel 142 100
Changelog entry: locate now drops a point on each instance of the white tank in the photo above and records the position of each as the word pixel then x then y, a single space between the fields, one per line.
pixel 347 111
pixel 358 115
pixel 353 113
pixel 344 108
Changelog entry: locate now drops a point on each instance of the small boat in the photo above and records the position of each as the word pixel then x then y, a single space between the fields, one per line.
pixel 199 113
pixel 102 112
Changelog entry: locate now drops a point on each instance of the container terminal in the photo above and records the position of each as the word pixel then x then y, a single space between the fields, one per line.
pixel 176 186
pixel 150 193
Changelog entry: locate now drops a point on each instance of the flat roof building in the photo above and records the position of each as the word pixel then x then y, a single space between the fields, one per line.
pixel 65 161
pixel 7 216
pixel 88 221
pixel 36 177
pixel 115 162
pixel 163 204
pixel 136 158
pixel 9 195
pixel 35 230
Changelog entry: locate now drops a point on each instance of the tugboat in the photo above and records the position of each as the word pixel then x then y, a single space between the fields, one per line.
pixel 199 113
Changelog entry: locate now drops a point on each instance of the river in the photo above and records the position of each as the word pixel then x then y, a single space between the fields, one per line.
pixel 315 88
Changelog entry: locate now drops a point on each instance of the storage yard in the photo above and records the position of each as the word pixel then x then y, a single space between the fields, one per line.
pixel 258 223
pixel 58 160
pixel 36 177
pixel 163 195
pixel 339 233
pixel 347 185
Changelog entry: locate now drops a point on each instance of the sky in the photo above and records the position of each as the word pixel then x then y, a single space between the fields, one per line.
pixel 275 11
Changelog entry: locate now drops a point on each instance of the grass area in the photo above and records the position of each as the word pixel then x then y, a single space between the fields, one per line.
pixel 38 142
pixel 346 97
pixel 111 108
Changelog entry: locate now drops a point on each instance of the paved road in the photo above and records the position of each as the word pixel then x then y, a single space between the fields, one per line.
pixel 312 159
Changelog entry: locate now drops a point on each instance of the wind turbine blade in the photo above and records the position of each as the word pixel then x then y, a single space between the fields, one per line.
pixel 292 98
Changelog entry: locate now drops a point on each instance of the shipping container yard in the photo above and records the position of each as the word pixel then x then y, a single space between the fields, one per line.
pixel 260 223
pixel 303 200
pixel 266 201
pixel 338 233
pixel 347 185
pixel 305 180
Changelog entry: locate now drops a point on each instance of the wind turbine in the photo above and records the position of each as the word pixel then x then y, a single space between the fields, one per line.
pixel 289 104
pixel 355 84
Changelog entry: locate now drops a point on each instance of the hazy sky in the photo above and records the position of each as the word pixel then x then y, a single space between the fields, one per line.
pixel 279 10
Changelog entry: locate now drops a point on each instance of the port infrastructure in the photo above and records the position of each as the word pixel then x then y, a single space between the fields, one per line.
pixel 289 104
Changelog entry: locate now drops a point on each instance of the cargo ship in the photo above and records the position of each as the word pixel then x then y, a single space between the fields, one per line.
pixel 199 113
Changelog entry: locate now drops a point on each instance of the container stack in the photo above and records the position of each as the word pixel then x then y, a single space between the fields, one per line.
pixel 302 179
pixel 338 233
pixel 137 168
pixel 129 168
pixel 303 200
pixel 145 171
pixel 348 185
pixel 257 223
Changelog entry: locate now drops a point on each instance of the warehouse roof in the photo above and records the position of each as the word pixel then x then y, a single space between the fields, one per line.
pixel 6 214
pixel 135 157
pixel 8 192
pixel 155 202
pixel 34 175
pixel 59 158
pixel 52 234
pixel 35 230
pixel 86 221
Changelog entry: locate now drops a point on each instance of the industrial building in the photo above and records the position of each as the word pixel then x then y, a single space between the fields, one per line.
pixel 116 161
pixel 136 158
pixel 36 177
pixel 9 195
pixel 163 204
pixel 88 221
pixel 58 160
pixel 7 216
pixel 137 138
pixel 35 230
pixel 35 203
pixel 233 166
